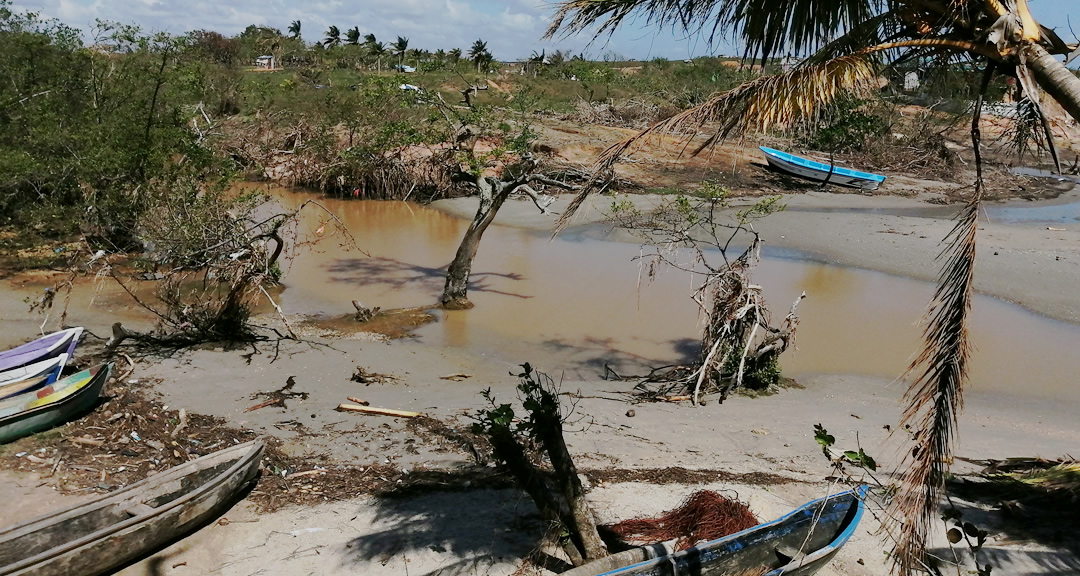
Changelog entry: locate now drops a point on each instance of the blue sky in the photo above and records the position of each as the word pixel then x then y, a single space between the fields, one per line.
pixel 512 28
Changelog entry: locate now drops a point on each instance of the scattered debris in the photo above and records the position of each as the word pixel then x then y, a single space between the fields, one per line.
pixel 372 410
pixel 278 397
pixel 358 401
pixel 456 377
pixel 367 378
pixel 364 314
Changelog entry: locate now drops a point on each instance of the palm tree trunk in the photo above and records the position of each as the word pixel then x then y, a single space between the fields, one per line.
pixel 1053 77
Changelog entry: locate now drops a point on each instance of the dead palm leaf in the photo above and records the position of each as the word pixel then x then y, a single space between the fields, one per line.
pixel 935 396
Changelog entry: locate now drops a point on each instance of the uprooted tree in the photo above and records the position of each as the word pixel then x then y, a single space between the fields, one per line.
pixel 526 446
pixel 739 344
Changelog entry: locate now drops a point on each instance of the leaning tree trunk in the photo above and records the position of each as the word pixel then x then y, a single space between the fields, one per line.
pixel 1053 77
pixel 492 195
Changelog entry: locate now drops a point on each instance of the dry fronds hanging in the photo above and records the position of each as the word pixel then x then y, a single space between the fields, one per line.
pixel 934 397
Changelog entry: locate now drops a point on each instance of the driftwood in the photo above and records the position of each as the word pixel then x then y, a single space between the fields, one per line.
pixel 372 410
pixel 364 314
pixel 358 401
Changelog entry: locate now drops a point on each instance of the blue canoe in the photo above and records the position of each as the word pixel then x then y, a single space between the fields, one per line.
pixel 798 544
pixel 817 171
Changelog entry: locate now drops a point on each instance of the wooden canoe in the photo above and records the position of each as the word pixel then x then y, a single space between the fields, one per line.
pixel 32 376
pixel 52 405
pixel 798 544
pixel 119 528
pixel 820 172
pixel 43 348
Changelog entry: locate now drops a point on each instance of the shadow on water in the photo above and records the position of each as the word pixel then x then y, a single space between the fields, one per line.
pixel 578 303
pixel 483 526
pixel 398 274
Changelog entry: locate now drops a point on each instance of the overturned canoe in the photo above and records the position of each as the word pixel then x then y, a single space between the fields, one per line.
pixel 119 528
pixel 50 346
pixel 798 544
pixel 52 405
pixel 805 168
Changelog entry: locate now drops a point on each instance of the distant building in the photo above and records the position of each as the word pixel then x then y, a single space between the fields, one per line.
pixel 266 62
pixel 911 82
pixel 404 68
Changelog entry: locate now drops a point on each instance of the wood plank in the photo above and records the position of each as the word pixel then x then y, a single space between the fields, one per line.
pixel 373 410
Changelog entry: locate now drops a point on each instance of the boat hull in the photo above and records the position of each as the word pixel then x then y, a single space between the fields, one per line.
pixel 50 406
pixel 820 172
pixel 819 528
pixel 130 524
pixel 43 348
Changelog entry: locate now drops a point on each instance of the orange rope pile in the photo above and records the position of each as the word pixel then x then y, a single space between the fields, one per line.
pixel 704 515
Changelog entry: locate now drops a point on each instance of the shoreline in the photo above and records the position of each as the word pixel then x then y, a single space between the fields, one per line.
pixel 1022 263
pixel 492 530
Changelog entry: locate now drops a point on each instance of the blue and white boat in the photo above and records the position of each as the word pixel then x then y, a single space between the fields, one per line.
pixel 821 172
pixel 798 544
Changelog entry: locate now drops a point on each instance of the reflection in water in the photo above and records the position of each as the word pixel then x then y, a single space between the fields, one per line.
pixel 574 304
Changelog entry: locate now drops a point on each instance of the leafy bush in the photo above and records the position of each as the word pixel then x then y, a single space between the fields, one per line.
pixel 847 125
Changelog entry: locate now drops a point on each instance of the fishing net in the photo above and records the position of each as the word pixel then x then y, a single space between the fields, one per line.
pixel 704 515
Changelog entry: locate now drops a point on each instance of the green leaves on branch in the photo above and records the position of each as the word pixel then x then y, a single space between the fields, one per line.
pixel 857 458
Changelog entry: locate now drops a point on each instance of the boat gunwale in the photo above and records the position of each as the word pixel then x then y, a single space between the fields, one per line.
pixel 250 453
pixel 33 370
pixel 839 540
pixel 73 335
pixel 95 373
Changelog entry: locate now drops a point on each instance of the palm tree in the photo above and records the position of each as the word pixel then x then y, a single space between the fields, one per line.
pixel 352 36
pixel 479 55
pixel 377 50
pixel 454 55
pixel 333 37
pixel 844 41
pixel 399 47
pixel 294 29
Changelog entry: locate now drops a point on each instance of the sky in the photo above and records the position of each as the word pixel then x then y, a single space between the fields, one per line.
pixel 513 29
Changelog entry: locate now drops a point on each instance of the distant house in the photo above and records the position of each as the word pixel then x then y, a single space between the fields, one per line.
pixel 265 62
pixel 911 82
pixel 404 68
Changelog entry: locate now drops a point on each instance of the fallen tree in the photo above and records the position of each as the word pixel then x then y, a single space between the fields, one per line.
pixel 521 447
pixel 739 344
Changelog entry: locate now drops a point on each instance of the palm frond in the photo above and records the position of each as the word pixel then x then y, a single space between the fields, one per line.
pixel 935 396
pixel 764 28
pixel 760 104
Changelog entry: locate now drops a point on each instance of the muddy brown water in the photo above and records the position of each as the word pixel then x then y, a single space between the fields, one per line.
pixel 575 304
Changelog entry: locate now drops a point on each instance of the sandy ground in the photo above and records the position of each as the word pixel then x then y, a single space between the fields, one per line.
pixel 488 531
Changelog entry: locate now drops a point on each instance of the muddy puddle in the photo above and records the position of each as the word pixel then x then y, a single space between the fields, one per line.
pixel 576 304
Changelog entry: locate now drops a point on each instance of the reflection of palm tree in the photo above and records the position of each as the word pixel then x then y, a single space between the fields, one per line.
pixel 844 43
pixel 294 29
pixel 333 37
pixel 399 47
pixel 352 35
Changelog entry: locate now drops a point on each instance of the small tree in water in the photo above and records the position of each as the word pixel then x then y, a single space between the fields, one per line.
pixel 496 174
pixel 696 235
